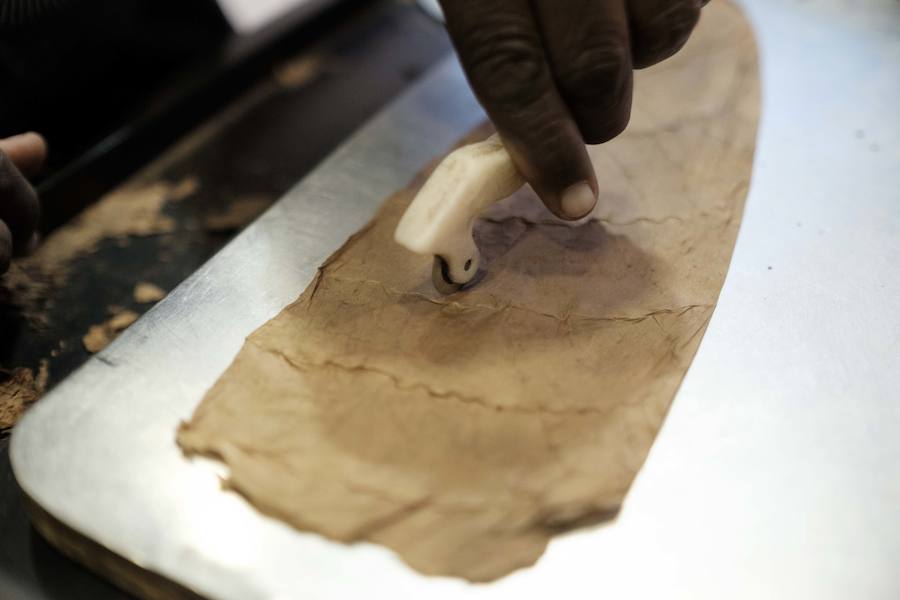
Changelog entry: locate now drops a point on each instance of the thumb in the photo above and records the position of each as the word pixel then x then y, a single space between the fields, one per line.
pixel 27 151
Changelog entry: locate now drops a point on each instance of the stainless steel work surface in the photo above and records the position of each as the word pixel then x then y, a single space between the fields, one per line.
pixel 777 473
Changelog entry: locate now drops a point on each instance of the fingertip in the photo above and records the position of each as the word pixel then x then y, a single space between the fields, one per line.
pixel 577 201
pixel 27 151
pixel 38 143
pixel 559 170
pixel 34 139
pixel 602 128
pixel 661 29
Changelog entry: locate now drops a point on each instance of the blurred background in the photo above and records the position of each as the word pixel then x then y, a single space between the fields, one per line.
pixel 177 123
pixel 119 80
pixel 171 126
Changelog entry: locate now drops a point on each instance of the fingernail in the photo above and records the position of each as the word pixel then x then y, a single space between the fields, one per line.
pixel 578 200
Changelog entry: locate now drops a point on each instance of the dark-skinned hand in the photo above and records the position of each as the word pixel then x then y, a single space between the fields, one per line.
pixel 554 75
pixel 20 156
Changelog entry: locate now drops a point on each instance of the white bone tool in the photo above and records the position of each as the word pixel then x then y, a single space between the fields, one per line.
pixel 440 218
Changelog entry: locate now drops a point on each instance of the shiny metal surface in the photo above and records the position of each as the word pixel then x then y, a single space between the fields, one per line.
pixel 777 473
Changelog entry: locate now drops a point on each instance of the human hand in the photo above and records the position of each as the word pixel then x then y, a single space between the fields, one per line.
pixel 554 75
pixel 20 155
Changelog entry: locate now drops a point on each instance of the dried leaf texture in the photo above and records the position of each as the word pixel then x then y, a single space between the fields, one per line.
pixel 463 432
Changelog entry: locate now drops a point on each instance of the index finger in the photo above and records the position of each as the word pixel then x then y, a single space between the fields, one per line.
pixel 502 52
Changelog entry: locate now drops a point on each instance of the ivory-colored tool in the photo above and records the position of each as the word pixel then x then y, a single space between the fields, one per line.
pixel 440 218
